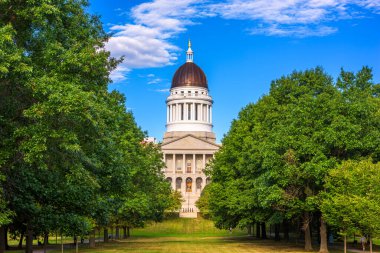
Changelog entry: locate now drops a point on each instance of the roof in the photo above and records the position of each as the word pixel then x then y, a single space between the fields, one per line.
pixel 189 74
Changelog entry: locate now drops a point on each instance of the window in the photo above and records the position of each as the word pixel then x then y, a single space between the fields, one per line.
pixel 188 167
pixel 189 111
pixel 178 183
pixel 189 184
pixel 182 111
pixel 198 183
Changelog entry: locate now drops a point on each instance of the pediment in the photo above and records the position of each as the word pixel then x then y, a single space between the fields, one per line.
pixel 189 142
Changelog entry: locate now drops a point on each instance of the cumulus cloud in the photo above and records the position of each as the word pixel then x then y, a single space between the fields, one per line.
pixel 148 40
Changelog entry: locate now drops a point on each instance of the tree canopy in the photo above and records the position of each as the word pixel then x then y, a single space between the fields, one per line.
pixel 275 158
pixel 71 156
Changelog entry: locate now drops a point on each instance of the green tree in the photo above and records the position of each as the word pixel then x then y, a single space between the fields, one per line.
pixel 60 127
pixel 276 156
pixel 351 202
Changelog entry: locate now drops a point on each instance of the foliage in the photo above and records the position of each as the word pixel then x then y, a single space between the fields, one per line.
pixel 70 153
pixel 351 202
pixel 275 158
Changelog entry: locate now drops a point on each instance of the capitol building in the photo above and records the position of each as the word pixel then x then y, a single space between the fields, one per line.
pixel 189 142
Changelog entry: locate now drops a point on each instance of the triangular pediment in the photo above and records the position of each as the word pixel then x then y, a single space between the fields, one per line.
pixel 189 142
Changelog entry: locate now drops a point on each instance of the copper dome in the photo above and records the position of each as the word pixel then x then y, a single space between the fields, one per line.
pixel 189 74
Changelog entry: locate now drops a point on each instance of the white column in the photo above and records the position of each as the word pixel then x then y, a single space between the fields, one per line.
pixel 167 114
pixel 193 164
pixel 184 163
pixel 192 111
pixel 210 114
pixel 204 161
pixel 201 116
pixel 178 112
pixel 175 112
pixel 174 165
pixel 207 113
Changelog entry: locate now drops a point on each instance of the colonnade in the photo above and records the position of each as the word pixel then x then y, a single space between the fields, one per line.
pixel 189 112
pixel 186 163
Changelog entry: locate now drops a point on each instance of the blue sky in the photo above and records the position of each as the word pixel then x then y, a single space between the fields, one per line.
pixel 241 45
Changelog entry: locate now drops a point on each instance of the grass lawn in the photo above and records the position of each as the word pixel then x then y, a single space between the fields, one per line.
pixel 188 236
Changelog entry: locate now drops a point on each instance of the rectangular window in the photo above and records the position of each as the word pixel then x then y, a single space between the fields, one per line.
pixel 189 111
pixel 182 117
pixel 188 167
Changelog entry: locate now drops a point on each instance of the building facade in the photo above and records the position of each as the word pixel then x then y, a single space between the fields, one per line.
pixel 188 143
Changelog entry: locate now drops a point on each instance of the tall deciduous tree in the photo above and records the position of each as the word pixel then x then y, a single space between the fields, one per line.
pixel 69 151
pixel 276 156
pixel 351 202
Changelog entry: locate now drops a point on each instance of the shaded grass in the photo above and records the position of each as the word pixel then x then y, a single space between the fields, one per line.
pixel 188 236
pixel 195 245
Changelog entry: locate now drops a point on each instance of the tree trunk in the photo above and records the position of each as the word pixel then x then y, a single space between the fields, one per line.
pixel 124 232
pixel 61 243
pixel 286 230
pixel 21 240
pixel 263 231
pixel 128 232
pixel 307 231
pixel 92 239
pixel 323 233
pixel 46 241
pixel 258 230
pixel 249 229
pixel 105 235
pixel 345 243
pixel 370 244
pixel 29 240
pixel 76 245
pixel 277 232
pixel 117 236
pixel 2 239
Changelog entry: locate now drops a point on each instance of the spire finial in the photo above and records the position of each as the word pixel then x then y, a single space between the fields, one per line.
pixel 189 53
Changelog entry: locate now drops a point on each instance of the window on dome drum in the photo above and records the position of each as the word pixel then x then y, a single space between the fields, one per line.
pixel 182 110
pixel 208 180
pixel 189 184
pixel 196 93
pixel 169 179
pixel 188 111
pixel 178 183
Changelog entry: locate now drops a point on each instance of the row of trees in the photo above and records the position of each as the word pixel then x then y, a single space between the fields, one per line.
pixel 71 156
pixel 306 151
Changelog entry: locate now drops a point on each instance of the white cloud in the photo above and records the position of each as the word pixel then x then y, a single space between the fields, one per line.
pixel 299 18
pixel 147 41
pixel 163 90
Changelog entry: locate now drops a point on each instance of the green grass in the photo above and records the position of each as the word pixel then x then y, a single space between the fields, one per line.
pixel 184 228
pixel 187 236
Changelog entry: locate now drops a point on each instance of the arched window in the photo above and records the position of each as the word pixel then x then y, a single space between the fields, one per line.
pixel 189 184
pixel 178 183
pixel 169 179
pixel 198 183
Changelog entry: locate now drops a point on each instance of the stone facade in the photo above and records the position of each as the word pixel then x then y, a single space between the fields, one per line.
pixel 189 143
